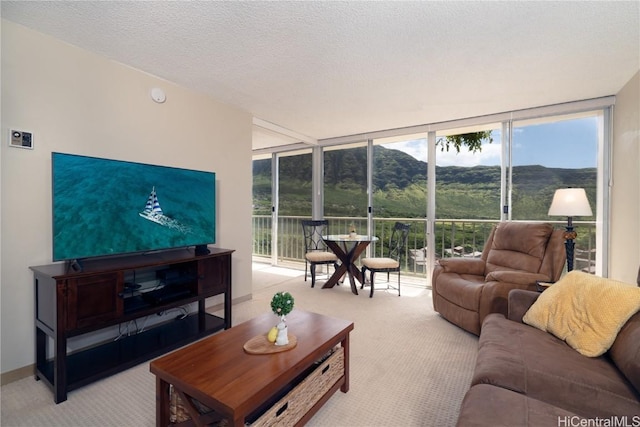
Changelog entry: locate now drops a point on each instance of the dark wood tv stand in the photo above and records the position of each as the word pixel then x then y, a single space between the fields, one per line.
pixel 105 293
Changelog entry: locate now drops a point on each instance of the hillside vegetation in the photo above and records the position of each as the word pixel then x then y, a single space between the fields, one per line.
pixel 400 187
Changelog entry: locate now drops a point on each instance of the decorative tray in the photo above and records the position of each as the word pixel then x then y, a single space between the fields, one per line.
pixel 261 345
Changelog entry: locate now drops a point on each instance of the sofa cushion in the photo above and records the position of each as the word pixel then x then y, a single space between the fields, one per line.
pixel 486 405
pixel 586 311
pixel 518 246
pixel 625 351
pixel 526 360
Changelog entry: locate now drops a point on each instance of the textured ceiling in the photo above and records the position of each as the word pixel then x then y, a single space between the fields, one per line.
pixel 329 69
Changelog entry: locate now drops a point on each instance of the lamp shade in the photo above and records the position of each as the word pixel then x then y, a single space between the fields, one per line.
pixel 570 202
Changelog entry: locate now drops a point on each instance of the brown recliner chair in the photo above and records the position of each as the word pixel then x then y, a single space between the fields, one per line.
pixel 516 255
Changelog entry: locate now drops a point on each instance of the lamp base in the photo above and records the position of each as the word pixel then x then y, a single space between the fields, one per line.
pixel 569 245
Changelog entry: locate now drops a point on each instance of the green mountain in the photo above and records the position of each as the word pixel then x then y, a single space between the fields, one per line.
pixel 399 184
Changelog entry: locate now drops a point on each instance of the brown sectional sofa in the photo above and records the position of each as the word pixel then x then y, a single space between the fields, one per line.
pixel 526 377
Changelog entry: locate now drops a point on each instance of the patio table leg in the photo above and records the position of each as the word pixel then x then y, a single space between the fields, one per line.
pixel 348 264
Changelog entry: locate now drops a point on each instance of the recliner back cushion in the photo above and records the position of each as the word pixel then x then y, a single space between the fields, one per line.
pixel 518 246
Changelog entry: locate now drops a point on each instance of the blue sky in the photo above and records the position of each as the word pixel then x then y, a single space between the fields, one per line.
pixel 562 144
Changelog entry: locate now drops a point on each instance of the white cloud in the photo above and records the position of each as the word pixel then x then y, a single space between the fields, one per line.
pixel 490 154
pixel 416 148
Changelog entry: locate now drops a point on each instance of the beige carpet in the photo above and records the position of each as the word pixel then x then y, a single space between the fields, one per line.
pixel 409 367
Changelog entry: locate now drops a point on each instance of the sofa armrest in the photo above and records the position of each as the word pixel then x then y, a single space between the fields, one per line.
pixel 517 277
pixel 473 266
pixel 519 302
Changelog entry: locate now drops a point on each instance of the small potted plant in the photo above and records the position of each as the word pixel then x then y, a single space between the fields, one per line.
pixel 281 305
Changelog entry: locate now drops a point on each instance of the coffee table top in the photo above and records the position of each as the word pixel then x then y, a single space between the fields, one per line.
pixel 219 373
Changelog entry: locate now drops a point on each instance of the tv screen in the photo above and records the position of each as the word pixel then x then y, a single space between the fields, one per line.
pixel 105 207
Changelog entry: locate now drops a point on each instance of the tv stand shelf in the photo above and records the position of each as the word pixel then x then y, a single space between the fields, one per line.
pixel 71 303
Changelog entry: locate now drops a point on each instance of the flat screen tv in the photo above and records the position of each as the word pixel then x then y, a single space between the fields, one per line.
pixel 105 207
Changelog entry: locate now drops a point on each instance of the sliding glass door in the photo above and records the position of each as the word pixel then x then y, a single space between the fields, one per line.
pixel 469 189
pixel 262 205
pixel 345 187
pixel 295 202
pixel 552 153
pixel 399 193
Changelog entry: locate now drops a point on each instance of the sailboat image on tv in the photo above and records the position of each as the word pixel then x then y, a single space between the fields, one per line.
pixel 153 212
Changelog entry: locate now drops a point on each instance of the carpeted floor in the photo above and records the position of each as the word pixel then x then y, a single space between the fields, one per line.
pixel 409 367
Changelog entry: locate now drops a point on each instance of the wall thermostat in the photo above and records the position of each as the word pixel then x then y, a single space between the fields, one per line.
pixel 21 139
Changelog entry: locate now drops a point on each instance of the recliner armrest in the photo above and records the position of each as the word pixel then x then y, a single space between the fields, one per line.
pixel 517 277
pixel 463 265
pixel 519 302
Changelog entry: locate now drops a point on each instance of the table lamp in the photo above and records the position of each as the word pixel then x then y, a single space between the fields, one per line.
pixel 570 202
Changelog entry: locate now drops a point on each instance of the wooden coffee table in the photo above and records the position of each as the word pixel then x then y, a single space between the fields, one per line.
pixel 221 375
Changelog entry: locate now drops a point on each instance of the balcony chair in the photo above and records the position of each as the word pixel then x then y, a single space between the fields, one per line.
pixel 397 247
pixel 315 250
pixel 515 256
pixel 419 257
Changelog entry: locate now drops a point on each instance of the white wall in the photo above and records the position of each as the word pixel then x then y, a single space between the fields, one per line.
pixel 77 102
pixel 625 195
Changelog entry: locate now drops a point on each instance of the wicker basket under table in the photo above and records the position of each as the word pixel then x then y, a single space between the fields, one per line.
pixel 286 408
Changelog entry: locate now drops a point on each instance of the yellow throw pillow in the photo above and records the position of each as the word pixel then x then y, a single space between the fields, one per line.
pixel 584 310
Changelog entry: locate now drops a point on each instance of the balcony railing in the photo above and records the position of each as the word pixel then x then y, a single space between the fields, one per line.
pixel 453 238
